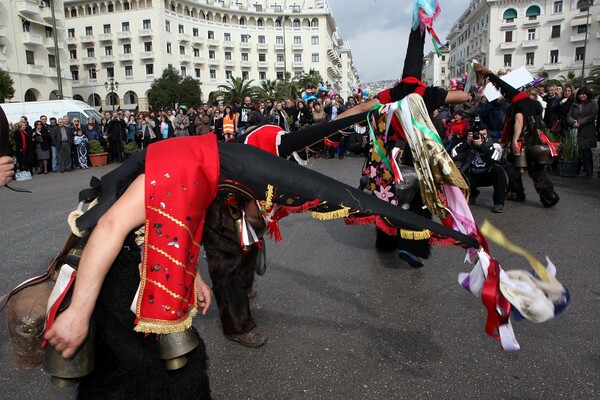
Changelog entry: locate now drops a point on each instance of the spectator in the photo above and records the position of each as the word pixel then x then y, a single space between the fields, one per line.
pixel 303 116
pixel 181 122
pixel 131 129
pixel 202 123
pixel 552 116
pixel 290 110
pixel 116 131
pixel 217 122
pixel 230 120
pixel 243 115
pixel 65 134
pixel 456 129
pixel 165 127
pixel 279 117
pixel 24 146
pixel 438 123
pixel 90 132
pixel 192 115
pixel 480 165
pixel 43 143
pixel 54 140
pixel 582 117
pixel 565 106
pixel 492 114
pixel 318 114
pixel 80 141
pixel 147 134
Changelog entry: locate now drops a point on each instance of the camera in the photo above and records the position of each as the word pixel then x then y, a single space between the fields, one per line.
pixel 476 136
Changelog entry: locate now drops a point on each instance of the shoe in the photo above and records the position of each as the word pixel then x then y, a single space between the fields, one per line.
pixel 498 208
pixel 62 171
pixel 254 338
pixel 252 293
pixel 474 195
pixel 512 196
pixel 410 258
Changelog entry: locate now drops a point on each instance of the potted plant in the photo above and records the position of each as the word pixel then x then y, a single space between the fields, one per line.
pixel 130 148
pixel 570 151
pixel 97 154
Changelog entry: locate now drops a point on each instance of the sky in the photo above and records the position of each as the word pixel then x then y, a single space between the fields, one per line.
pixel 378 32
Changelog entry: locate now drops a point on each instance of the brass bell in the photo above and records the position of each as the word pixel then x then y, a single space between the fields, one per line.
pixel 65 372
pixel 521 159
pixel 172 348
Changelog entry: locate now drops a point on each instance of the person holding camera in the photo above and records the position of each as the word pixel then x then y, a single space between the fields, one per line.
pixel 480 166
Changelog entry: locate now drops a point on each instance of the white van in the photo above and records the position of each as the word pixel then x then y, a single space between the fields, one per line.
pixel 52 108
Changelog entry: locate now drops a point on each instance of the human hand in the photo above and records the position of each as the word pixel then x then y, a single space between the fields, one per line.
pixel 204 294
pixel 6 170
pixel 514 148
pixel 68 333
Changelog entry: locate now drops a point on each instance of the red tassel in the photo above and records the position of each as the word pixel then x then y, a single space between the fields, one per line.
pixel 357 221
pixel 302 208
pixel 385 227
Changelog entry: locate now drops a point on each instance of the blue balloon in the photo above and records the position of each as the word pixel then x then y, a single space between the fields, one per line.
pixel 365 93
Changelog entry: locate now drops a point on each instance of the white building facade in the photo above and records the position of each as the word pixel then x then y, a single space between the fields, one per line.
pixel 28 52
pixel 133 41
pixel 555 36
pixel 435 70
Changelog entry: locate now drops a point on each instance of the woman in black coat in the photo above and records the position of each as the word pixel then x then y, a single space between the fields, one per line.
pixel 25 147
pixel 43 142
pixel 582 117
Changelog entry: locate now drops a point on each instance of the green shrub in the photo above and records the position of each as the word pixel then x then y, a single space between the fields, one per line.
pixel 95 147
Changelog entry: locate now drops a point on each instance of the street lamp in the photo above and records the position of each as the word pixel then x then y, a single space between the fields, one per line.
pixel 588 4
pixel 56 50
pixel 112 86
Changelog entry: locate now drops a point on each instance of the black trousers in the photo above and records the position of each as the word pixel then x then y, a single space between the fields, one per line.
pixel 495 177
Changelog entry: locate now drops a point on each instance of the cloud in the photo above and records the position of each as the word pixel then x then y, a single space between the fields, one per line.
pixel 377 31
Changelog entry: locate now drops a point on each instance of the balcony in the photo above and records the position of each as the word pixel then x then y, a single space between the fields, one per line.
pixel 530 44
pixel 49 43
pixel 297 46
pixel 185 58
pixel 263 65
pixel 199 60
pixel 145 32
pixel 73 61
pixel 28 7
pixel 228 44
pixel 279 65
pixel 262 46
pixel 531 22
pixel 213 42
pixel 245 45
pixel 552 67
pixel 508 45
pixel 185 37
pixel 214 61
pixel 86 39
pixel 92 81
pixel 126 57
pixel 144 55
pixel 34 69
pixel 580 37
pixel 198 39
pixel 124 35
pixel 107 59
pixel 75 83
pixel 32 39
pixel 88 60
pixel 297 65
pixel 71 40
pixel 105 37
pixel 279 46
pixel 128 78
pixel 229 63
pixel 246 64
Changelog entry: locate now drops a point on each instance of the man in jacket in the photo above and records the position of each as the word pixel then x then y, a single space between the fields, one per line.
pixel 54 132
pixel 63 145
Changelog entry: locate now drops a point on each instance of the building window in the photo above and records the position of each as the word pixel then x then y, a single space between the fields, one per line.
pixel 507 60
pixel 228 74
pixel 315 57
pixel 296 23
pixel 181 50
pixel 314 22
pixel 297 40
pixel 280 57
pixel 71 33
pixel 443 59
pixel 149 69
pixel 196 52
pixel 509 15
pixel 262 75
pixel 553 56
pixel 297 57
pixel 280 76
pixel 108 51
pixel 279 39
pixel 213 74
pixel 183 71
pixel 169 48
pixel 555 31
pixel 51 60
pixel 92 73
pixel 181 29
pixel 48 32
pixel 314 40
pixel 73 13
pixel 75 75
pixel 262 57
pixel 73 54
pixel 245 75
pixel 129 70
pixel 531 34
pixel 197 73
pixel 244 38
pixel 211 54
pixel 581 28
pixel 125 27
pixel 89 31
pixel 244 56
pixel 106 28
pixel 110 72
pixel 147 46
pixel 557 7
pixel 227 37
pixel 110 8
pixel 26 26
pixel 533 12
pixel 260 21
pixel 195 32
pixel 126 6
pixel 90 52
pixel 168 26
pixel 508 36
pixel 127 48
pixel 443 70
pixel 228 55
pixel 224 19
pixel 297 74
pixel 579 53
pixel 529 59
pixel 261 39
pixel 243 21
pixel 147 24
pixel 211 34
